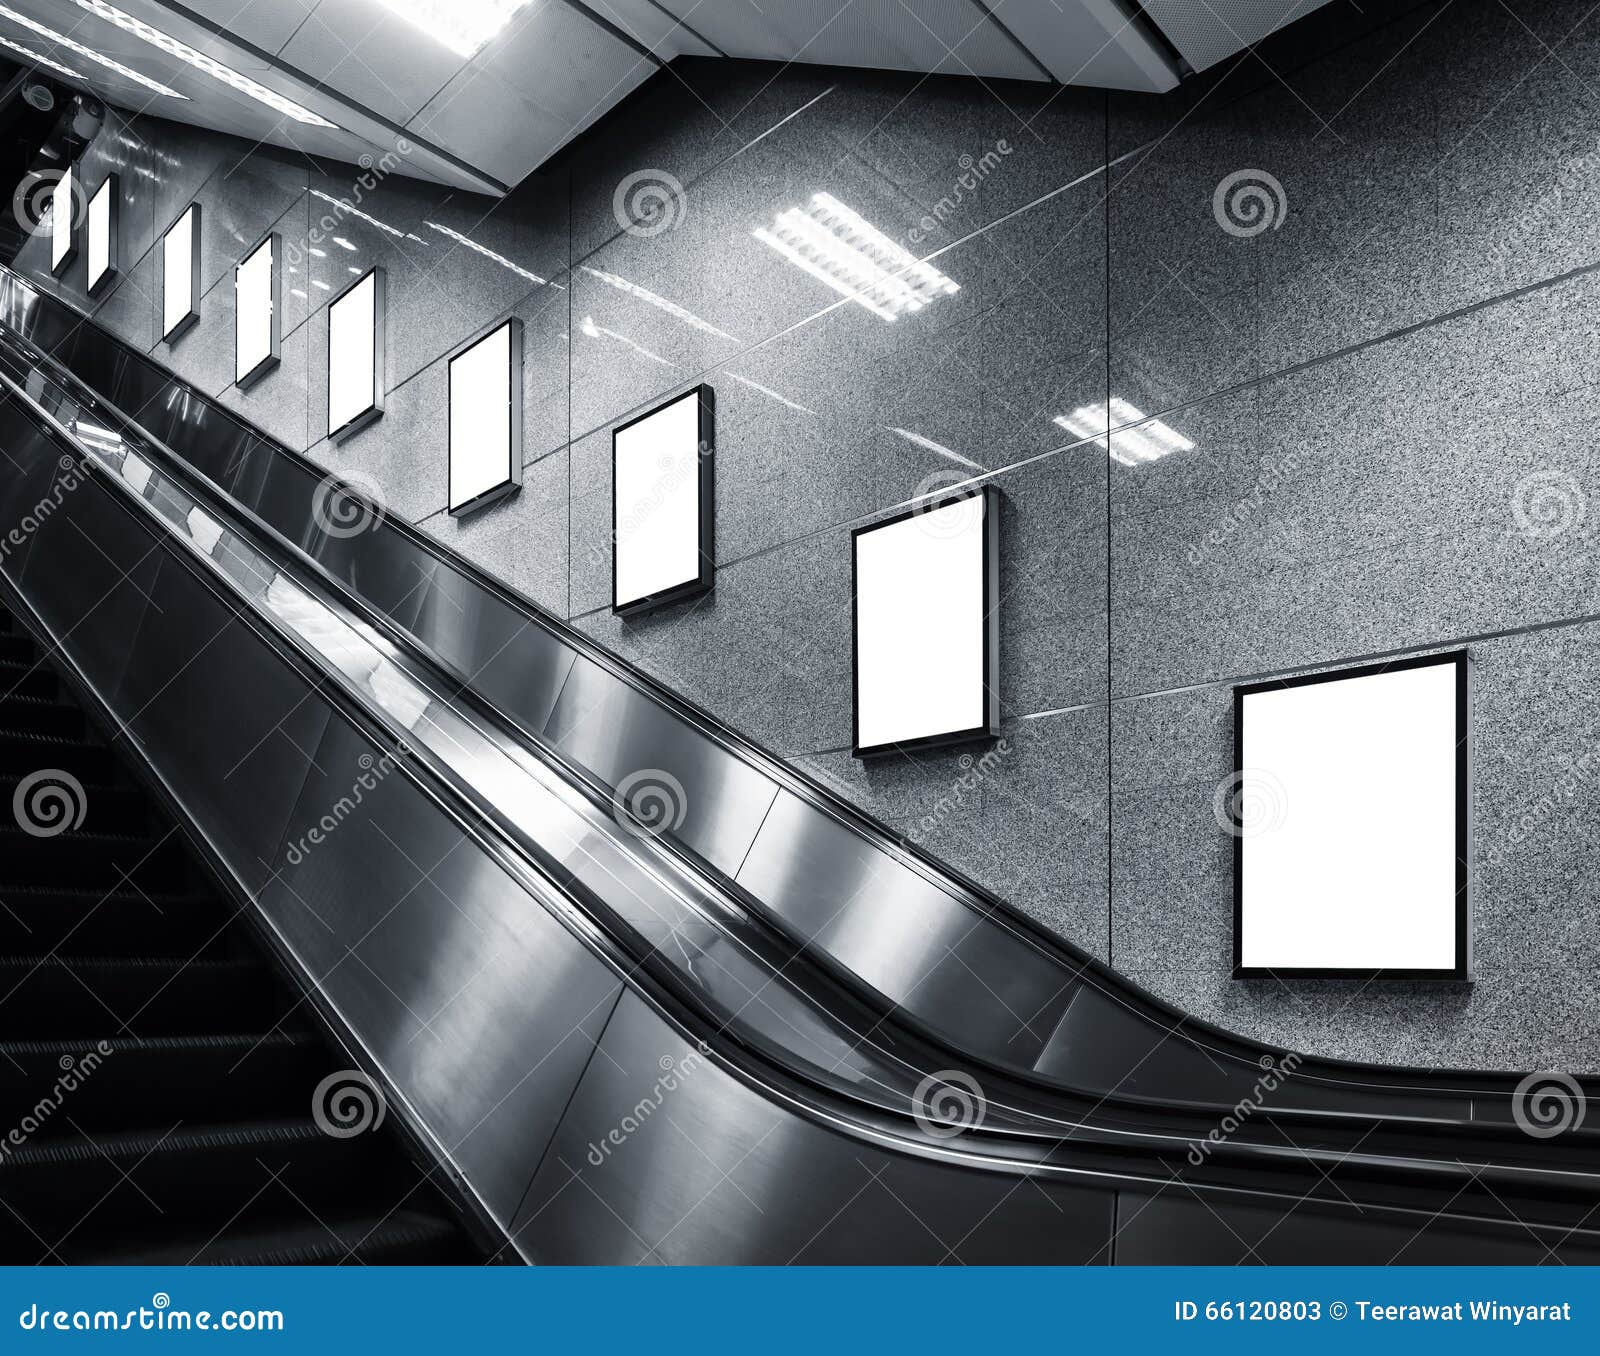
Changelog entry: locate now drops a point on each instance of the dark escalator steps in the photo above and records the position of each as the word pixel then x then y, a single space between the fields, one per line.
pixel 80 859
pixel 36 920
pixel 77 997
pixel 22 752
pixel 401 1238
pixel 152 1182
pixel 37 715
pixel 104 1085
pixel 28 680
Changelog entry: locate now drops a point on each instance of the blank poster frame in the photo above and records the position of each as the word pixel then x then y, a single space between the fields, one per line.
pixel 63 185
pixel 990 727
pixel 111 185
pixel 1461 971
pixel 513 481
pixel 706 448
pixel 380 330
pixel 244 380
pixel 184 323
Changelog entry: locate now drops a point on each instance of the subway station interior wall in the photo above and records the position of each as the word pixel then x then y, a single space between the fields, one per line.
pixel 1390 393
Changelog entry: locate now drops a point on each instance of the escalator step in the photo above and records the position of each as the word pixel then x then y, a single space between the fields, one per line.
pixel 92 860
pixel 36 920
pixel 103 997
pixel 38 716
pixel 18 648
pixel 28 680
pixel 104 1087
pixel 140 1185
pixel 404 1237
pixel 107 809
pixel 25 751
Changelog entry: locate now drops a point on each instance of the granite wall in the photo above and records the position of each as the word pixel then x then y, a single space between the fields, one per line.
pixel 1386 385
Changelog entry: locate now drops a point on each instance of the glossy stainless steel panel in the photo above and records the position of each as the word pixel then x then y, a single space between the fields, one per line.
pixel 985 987
pixel 714 802
pixel 229 724
pixel 481 1007
pixel 664 1157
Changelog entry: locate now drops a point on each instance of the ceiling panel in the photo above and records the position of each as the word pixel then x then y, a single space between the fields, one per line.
pixel 266 24
pixel 1206 33
pixel 652 27
pixel 563 63
pixel 1095 42
pixel 952 36
pixel 372 58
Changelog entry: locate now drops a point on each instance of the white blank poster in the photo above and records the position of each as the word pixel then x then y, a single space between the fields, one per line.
pixel 1348 850
pixel 923 636
pixel 485 390
pixel 353 322
pixel 177 280
pixel 101 225
pixel 656 462
pixel 254 316
pixel 61 234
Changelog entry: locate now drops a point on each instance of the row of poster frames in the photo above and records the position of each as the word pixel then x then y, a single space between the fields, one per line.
pixel 1350 788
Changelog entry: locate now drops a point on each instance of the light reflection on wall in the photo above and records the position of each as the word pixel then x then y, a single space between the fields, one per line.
pixel 1130 446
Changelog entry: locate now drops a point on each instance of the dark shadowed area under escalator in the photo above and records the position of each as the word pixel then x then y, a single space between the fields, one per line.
pixel 143 1028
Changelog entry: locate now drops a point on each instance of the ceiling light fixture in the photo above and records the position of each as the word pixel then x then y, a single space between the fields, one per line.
pixel 1150 441
pixel 38 60
pixel 201 62
pixel 88 54
pixel 845 250
pixel 461 25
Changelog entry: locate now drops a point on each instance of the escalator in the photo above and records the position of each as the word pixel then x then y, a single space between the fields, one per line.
pixel 772 1033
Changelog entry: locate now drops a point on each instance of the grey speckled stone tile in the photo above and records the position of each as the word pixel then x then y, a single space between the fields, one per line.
pixel 279 403
pixel 1173 922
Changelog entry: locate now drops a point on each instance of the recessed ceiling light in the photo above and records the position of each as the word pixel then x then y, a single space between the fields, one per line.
pixel 38 60
pixel 1150 441
pixel 843 249
pixel 461 25
pixel 201 62
pixel 88 54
